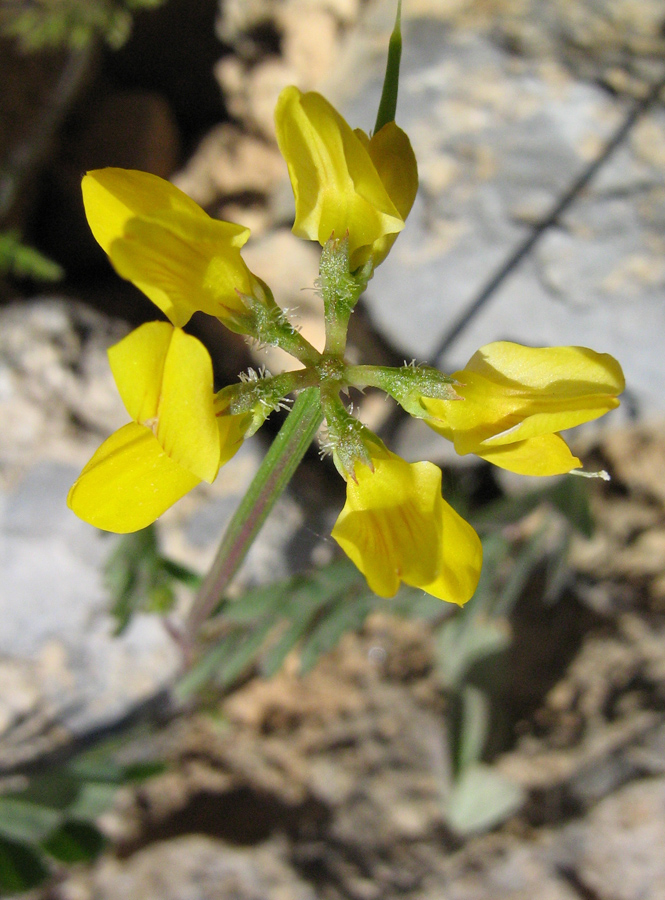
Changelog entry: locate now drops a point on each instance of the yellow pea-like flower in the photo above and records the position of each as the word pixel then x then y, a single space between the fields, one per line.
pixel 515 400
pixel 395 526
pixel 175 440
pixel 343 181
pixel 164 243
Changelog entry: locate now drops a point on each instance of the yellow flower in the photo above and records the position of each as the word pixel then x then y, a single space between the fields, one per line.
pixel 342 180
pixel 515 399
pixel 175 440
pixel 395 526
pixel 165 244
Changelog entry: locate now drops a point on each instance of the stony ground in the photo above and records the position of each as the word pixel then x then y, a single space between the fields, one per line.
pixel 335 785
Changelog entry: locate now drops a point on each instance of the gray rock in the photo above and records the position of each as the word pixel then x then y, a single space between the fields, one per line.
pixel 617 852
pixel 64 671
pixel 192 868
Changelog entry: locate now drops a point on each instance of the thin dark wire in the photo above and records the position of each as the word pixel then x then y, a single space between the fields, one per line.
pixel 449 337
pixel 564 202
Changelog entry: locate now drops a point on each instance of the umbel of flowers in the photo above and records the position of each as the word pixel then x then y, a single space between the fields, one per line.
pixel 353 194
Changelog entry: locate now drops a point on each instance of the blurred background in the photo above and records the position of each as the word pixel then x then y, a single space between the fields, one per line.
pixel 325 743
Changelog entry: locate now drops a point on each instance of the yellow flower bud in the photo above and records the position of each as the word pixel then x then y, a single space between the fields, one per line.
pixel 344 182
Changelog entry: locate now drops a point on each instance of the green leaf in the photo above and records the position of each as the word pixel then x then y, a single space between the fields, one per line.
pixel 69 23
pixel 97 765
pixel 474 724
pixel 21 261
pixel 275 656
pixel 57 789
pixel 242 654
pixel 412 603
pixel 26 822
pixel 257 603
pixel 142 771
pixel 481 800
pixel 388 102
pixel 571 497
pixel 458 646
pixel 530 556
pixel 140 579
pixel 74 842
pixel 93 801
pixel 21 867
pixel 305 607
pixel 346 615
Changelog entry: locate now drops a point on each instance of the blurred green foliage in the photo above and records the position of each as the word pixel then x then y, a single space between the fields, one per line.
pixel 50 819
pixel 140 579
pixel 72 24
pixel 21 261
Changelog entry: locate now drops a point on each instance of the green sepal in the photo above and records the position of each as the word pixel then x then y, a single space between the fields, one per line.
pixel 340 289
pixel 349 441
pixel 407 384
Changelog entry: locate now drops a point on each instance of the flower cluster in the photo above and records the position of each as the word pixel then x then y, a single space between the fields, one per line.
pixel 353 194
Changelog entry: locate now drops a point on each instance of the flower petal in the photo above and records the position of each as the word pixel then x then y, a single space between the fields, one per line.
pixel 129 482
pixel 187 428
pixel 232 430
pixel 545 454
pixel 165 244
pixel 460 562
pixel 336 185
pixel 567 371
pixel 395 526
pixel 395 161
pixel 179 273
pixel 393 157
pixel 114 196
pixel 165 379
pixel 137 364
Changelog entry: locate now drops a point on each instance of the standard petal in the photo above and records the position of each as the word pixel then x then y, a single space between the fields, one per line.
pixel 114 196
pixel 129 482
pixel 336 186
pixel 545 454
pixel 565 371
pixel 137 363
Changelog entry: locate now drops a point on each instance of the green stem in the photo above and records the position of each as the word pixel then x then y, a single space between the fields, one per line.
pixel 388 103
pixel 275 472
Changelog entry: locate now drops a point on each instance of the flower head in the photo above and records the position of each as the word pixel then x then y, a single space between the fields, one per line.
pixel 165 244
pixel 515 400
pixel 342 180
pixel 176 438
pixel 395 526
